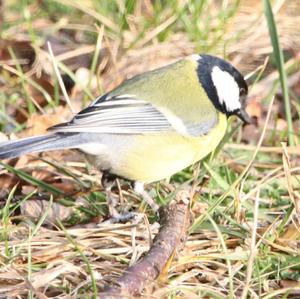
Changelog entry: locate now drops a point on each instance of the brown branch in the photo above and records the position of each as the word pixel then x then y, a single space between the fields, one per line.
pixel 174 221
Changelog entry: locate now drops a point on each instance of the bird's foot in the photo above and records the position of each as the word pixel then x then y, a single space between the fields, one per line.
pixel 134 217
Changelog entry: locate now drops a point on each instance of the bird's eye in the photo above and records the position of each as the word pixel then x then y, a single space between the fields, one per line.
pixel 242 91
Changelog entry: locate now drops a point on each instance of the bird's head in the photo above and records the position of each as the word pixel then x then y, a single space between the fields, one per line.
pixel 224 85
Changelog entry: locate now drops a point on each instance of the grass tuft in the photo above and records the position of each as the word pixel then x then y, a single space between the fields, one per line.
pixel 96 44
pixel 279 60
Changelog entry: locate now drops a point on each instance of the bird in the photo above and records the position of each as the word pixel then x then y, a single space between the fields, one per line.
pixel 152 125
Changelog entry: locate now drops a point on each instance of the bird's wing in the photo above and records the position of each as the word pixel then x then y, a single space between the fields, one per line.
pixel 125 114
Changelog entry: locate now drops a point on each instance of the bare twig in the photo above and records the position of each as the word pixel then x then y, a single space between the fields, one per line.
pixel 59 78
pixel 174 220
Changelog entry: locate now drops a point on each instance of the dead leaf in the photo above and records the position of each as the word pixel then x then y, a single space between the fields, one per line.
pixel 254 108
pixel 38 124
pixel 290 284
pixel 26 189
pixel 22 49
pixel 42 174
pixel 67 187
pixel 7 181
pixel 291 232
pixel 291 237
pixel 36 209
pixel 44 82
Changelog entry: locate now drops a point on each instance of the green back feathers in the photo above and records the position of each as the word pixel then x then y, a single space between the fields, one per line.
pixel 175 87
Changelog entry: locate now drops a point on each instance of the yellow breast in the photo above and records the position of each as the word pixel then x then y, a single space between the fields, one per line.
pixel 154 157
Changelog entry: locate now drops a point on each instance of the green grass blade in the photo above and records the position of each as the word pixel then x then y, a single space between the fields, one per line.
pixel 30 179
pixel 217 177
pixel 64 170
pixel 225 250
pixel 30 105
pixel 93 67
pixel 5 222
pixel 85 259
pixel 280 66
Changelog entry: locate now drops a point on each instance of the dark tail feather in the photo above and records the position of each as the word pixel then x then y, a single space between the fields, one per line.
pixel 16 148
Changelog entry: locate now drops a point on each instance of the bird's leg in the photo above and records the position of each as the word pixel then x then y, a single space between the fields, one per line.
pixel 108 181
pixel 139 188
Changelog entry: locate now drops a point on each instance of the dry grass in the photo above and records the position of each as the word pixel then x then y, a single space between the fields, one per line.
pixel 52 245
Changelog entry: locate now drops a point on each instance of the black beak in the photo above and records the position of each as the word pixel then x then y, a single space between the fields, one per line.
pixel 244 116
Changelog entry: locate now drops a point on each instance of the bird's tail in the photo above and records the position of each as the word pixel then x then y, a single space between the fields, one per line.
pixel 16 148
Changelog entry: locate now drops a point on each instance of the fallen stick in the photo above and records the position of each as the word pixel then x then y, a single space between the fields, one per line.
pixel 174 223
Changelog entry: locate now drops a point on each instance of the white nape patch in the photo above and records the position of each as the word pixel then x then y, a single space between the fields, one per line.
pixel 93 148
pixel 194 57
pixel 174 120
pixel 227 89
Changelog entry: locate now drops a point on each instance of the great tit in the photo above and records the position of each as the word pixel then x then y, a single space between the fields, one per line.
pixel 153 125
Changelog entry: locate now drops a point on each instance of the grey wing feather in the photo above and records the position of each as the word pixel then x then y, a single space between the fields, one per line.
pixel 126 114
pixel 120 115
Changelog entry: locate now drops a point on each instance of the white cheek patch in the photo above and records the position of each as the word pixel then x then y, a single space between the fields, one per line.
pixel 227 89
